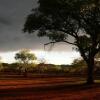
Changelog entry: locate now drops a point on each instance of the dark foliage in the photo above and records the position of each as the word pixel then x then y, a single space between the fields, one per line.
pixel 61 19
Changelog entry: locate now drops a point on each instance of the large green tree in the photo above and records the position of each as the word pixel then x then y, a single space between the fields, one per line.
pixel 76 22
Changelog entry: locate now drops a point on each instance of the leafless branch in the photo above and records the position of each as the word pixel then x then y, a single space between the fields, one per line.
pixel 58 42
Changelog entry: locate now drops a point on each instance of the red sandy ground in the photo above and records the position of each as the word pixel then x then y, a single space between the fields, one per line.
pixel 55 88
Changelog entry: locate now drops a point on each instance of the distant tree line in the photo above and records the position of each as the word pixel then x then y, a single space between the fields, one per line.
pixel 25 65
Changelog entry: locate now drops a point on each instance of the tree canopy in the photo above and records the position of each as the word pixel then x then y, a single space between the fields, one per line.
pixel 60 19
pixel 24 56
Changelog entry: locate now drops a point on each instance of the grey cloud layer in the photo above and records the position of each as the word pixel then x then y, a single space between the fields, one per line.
pixel 12 18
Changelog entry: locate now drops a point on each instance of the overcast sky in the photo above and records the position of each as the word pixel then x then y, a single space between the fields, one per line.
pixel 12 18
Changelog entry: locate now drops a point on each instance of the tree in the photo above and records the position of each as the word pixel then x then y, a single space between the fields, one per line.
pixel 79 62
pixel 25 57
pixel 97 61
pixel 42 61
pixel 1 66
pixel 61 19
pixel 97 57
pixel 79 65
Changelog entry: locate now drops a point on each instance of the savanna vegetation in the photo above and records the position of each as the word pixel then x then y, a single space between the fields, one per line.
pixel 47 81
pixel 27 80
pixel 26 66
pixel 75 22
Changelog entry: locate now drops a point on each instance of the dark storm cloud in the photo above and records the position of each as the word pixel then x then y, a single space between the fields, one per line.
pixel 4 21
pixel 12 17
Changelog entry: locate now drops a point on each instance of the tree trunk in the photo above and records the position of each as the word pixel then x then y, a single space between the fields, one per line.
pixel 90 71
pixel 25 72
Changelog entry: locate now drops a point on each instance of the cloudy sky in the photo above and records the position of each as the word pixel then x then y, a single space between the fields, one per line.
pixel 12 17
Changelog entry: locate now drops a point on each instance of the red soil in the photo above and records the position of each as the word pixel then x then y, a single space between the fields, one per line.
pixel 57 88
